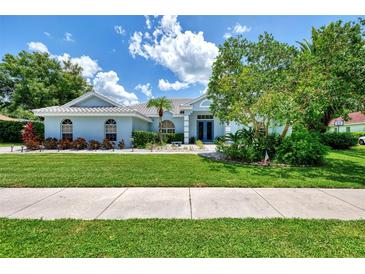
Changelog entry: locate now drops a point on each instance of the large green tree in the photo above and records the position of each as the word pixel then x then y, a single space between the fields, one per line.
pixel 251 83
pixel 330 73
pixel 36 80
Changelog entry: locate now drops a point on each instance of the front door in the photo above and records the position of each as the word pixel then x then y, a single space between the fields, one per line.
pixel 205 131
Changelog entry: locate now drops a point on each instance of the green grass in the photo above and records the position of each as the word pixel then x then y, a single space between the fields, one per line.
pixel 343 169
pixel 182 238
pixel 10 144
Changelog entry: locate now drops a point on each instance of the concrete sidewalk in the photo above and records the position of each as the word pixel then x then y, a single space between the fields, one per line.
pixel 183 203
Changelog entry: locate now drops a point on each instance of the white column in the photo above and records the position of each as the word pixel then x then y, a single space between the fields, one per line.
pixel 186 129
pixel 227 128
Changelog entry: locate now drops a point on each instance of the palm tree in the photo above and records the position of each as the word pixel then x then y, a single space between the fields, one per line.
pixel 306 46
pixel 161 104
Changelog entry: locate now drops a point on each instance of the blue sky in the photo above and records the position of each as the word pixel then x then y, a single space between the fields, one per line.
pixel 132 58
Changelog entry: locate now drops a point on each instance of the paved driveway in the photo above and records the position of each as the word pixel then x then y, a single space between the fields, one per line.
pixel 182 203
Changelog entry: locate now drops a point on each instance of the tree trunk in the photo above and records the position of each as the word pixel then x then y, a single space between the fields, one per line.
pixel 285 131
pixel 160 129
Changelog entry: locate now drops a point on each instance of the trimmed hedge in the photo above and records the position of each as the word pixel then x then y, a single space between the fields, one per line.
pixel 173 137
pixel 11 131
pixel 342 140
pixel 142 138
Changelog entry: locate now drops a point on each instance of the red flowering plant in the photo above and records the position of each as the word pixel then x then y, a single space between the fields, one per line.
pixel 107 144
pixel 29 137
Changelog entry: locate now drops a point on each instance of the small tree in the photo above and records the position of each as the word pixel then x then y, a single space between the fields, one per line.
pixel 28 133
pixel 161 104
pixel 29 137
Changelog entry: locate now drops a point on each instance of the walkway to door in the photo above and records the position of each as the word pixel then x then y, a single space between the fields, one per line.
pixel 183 203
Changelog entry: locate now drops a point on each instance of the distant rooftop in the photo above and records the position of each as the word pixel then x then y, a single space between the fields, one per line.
pixel 142 107
pixel 355 118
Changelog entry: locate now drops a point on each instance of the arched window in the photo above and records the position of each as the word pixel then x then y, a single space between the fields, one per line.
pixel 167 127
pixel 111 130
pixel 66 130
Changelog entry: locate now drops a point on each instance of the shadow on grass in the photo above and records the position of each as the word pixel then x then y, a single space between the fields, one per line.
pixel 336 170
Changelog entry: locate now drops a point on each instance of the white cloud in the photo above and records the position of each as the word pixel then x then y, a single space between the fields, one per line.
pixel 145 89
pixel 47 34
pixel 237 29
pixel 204 91
pixel 186 54
pixel 135 47
pixel 37 47
pixel 119 30
pixel 68 37
pixel 148 22
pixel 89 66
pixel 166 85
pixel 107 84
pixel 227 35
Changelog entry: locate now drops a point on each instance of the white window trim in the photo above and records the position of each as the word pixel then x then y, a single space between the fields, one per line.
pixel 202 102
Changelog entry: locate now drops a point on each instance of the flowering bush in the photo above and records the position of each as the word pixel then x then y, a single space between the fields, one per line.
pixel 79 143
pixel 107 144
pixel 32 144
pixel 93 144
pixel 29 137
pixel 121 144
pixel 65 144
pixel 50 143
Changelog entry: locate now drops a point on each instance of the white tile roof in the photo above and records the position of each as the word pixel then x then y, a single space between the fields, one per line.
pixel 62 109
pixel 142 108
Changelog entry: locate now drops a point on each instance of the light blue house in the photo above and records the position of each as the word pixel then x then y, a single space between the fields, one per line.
pixel 95 116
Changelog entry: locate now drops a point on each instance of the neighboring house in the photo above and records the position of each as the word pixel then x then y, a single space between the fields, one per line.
pixel 356 123
pixel 95 116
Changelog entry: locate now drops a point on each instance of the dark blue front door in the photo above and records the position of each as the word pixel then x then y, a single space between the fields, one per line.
pixel 205 131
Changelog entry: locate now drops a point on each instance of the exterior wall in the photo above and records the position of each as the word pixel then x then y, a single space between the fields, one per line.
pixel 178 122
pixel 89 127
pixel 353 128
pixel 92 102
pixel 139 124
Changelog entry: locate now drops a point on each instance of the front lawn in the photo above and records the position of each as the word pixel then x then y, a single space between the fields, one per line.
pixel 182 238
pixel 343 169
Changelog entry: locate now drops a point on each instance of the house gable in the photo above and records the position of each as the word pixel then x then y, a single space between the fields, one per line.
pixel 201 103
pixel 92 99
pixel 93 102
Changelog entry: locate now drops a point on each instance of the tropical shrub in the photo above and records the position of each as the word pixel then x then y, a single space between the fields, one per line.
pixel 93 144
pixel 357 135
pixel 342 140
pixel 11 131
pixel 32 144
pixel 50 143
pixel 79 143
pixel 121 144
pixel 29 137
pixel 199 144
pixel 302 148
pixel 245 146
pixel 219 140
pixel 65 144
pixel 173 137
pixel 107 144
pixel 142 138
